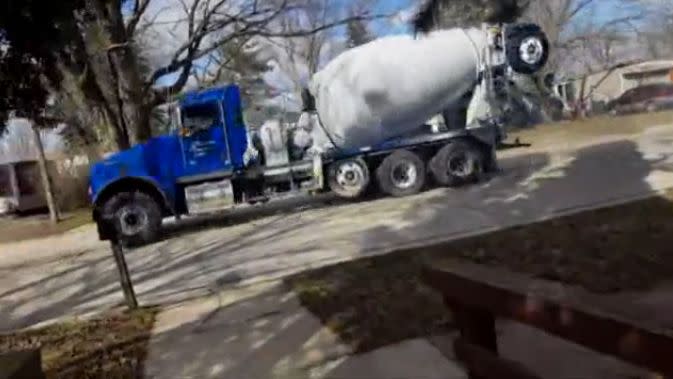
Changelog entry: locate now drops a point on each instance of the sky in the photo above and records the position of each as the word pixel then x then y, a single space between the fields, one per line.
pixel 405 9
pixel 165 37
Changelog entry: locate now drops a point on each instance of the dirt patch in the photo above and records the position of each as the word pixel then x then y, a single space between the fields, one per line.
pixel 378 301
pixel 17 229
pixel 112 346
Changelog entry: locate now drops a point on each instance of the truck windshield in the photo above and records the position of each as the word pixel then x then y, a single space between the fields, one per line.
pixel 201 116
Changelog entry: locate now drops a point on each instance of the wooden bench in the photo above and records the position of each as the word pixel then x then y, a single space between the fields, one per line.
pixel 477 295
pixel 21 365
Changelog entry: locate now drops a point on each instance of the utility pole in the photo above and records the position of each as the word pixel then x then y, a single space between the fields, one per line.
pixel 44 173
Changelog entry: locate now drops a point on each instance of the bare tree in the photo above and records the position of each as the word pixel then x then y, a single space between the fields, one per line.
pixel 103 58
pixel 45 177
pixel 438 14
pixel 657 34
pixel 578 35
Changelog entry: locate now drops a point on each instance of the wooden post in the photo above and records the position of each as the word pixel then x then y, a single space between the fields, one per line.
pixel 124 276
pixel 482 363
pixel 477 327
pixel 44 173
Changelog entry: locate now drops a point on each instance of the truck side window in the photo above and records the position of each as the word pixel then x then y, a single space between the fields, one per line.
pixel 202 116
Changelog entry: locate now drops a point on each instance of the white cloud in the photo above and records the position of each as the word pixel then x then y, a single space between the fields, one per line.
pixel 405 16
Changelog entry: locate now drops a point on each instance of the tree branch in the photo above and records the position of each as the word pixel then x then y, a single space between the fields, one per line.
pixel 308 32
pixel 250 23
pixel 138 11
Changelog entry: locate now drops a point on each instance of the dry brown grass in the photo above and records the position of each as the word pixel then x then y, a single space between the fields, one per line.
pixel 112 346
pixel 570 131
pixel 24 228
pixel 378 301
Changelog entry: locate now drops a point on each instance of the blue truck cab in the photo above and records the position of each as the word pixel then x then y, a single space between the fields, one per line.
pixel 141 185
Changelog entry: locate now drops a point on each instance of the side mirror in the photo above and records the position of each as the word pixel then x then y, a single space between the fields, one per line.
pixel 176 118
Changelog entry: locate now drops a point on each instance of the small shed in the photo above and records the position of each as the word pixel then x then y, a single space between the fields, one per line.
pixel 21 187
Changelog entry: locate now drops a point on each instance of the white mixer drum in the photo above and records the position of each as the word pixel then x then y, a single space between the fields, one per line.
pixel 390 86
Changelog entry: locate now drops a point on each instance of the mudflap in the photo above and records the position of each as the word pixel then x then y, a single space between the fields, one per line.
pixel 105 227
pixel 490 134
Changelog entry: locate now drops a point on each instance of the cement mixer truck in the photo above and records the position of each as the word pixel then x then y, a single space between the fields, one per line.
pixel 365 125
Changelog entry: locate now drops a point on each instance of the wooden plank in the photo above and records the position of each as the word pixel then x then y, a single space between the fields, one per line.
pixel 600 332
pixel 21 365
pixel 483 363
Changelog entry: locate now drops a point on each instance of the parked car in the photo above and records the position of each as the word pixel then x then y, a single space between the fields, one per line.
pixel 647 98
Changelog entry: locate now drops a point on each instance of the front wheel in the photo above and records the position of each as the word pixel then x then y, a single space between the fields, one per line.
pixel 348 178
pixel 136 216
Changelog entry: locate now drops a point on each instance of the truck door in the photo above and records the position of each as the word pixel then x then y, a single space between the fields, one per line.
pixel 204 142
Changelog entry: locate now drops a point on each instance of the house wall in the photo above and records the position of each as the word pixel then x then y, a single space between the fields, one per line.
pixel 602 87
pixel 609 85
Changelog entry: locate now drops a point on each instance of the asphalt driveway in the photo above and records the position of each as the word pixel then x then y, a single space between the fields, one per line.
pixel 74 274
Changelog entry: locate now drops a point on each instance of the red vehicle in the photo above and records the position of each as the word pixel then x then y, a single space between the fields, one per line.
pixel 647 98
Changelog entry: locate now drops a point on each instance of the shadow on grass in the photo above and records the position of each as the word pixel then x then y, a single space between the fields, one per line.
pixel 111 346
pixel 374 302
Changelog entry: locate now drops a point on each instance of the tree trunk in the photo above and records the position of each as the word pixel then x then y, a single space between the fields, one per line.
pixel 132 101
pixel 134 109
pixel 44 173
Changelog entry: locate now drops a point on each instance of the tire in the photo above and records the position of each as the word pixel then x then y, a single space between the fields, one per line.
pixel 527 48
pixel 136 216
pixel 349 178
pixel 402 173
pixel 458 163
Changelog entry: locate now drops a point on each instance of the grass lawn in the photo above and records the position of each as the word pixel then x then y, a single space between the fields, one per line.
pixel 112 346
pixel 24 228
pixel 378 301
pixel 571 131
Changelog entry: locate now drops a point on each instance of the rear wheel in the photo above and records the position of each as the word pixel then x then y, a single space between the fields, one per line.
pixel 457 163
pixel 136 216
pixel 348 178
pixel 402 173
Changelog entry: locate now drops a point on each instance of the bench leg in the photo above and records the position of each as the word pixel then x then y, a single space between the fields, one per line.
pixel 477 327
